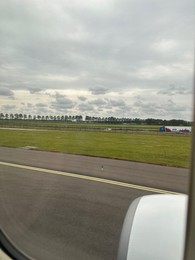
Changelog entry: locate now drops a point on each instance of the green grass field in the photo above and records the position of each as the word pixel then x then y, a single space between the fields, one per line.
pixel 62 124
pixel 157 148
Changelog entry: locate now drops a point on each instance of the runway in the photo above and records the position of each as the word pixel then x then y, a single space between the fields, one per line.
pixel 56 216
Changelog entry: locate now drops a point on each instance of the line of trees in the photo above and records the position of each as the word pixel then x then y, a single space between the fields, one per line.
pixel 92 119
pixel 40 117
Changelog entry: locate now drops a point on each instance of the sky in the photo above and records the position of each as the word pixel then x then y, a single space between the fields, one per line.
pixel 122 58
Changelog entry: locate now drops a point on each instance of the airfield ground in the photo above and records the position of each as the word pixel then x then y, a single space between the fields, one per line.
pixel 134 143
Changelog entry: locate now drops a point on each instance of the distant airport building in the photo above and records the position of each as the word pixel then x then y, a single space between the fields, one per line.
pixel 176 129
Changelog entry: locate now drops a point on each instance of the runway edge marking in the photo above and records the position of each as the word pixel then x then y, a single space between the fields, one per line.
pixel 90 178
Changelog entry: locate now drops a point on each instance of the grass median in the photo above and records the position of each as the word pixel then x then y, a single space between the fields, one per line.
pixel 157 148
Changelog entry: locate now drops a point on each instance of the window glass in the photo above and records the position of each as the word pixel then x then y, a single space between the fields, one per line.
pixel 95 111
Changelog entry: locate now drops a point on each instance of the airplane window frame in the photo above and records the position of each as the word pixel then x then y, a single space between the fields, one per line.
pixel 190 229
pixel 9 249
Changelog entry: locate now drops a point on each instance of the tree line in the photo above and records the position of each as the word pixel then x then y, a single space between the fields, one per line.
pixel 93 119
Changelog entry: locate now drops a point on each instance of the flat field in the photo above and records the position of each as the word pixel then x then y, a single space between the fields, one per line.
pixel 44 124
pixel 149 147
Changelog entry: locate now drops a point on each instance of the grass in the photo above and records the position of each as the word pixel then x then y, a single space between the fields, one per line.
pixel 62 124
pixel 157 148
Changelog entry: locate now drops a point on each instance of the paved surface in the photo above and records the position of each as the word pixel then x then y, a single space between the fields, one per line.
pixel 56 217
pixel 169 178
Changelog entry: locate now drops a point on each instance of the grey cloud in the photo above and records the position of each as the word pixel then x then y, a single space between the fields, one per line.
pixel 108 103
pixel 62 103
pixel 173 90
pixel 9 108
pixel 115 44
pixel 98 102
pixel 103 105
pixel 41 105
pixel 94 106
pixel 34 90
pixel 43 111
pixel 117 103
pixel 150 107
pixel 173 106
pixel 99 43
pixel 82 98
pixel 86 108
pixel 98 90
pixel 168 109
pixel 6 92
pixel 29 105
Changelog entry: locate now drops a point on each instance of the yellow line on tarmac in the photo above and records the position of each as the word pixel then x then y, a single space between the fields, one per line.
pixel 89 178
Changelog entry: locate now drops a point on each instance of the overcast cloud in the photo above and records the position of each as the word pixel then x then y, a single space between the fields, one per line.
pixel 131 58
